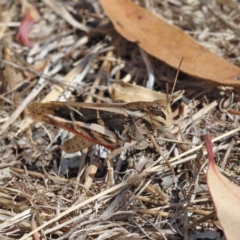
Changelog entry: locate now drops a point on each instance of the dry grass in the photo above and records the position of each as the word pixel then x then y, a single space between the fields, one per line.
pixel 42 187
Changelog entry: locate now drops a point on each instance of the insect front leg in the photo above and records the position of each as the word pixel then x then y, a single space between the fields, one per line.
pixel 112 155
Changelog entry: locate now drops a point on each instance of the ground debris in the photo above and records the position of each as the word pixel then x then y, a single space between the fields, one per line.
pixel 76 59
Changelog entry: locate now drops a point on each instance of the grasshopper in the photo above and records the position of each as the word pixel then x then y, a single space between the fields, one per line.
pixel 109 125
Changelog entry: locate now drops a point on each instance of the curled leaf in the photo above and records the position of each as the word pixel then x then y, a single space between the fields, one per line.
pixel 225 195
pixel 31 16
pixel 132 93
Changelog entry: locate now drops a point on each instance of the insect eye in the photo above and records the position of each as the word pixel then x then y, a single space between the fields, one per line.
pixel 156 109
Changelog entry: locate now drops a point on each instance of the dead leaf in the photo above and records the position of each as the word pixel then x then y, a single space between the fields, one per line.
pixel 225 195
pixel 169 43
pixel 31 16
pixel 132 93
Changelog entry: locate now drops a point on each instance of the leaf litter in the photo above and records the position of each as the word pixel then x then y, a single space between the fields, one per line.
pixel 78 56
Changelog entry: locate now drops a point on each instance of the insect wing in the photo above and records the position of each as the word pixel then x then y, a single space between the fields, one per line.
pixel 94 125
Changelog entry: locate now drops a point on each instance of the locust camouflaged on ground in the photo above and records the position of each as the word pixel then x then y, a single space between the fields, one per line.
pixel 108 124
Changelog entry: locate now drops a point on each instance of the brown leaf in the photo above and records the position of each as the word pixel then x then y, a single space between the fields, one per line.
pixel 169 43
pixel 133 93
pixel 30 17
pixel 225 194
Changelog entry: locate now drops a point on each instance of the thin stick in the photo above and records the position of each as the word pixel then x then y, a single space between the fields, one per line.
pixel 175 80
pixel 160 153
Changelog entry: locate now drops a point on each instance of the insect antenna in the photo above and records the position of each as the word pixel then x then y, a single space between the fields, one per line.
pixel 175 81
